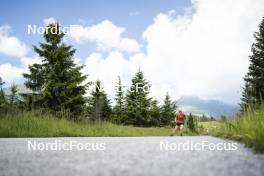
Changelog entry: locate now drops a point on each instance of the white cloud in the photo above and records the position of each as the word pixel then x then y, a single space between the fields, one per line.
pixel 203 54
pixel 106 35
pixel 11 46
pixel 49 20
pixel 10 73
pixel 26 61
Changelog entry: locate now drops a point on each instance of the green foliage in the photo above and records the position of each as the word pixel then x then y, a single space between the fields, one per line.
pixel 254 80
pixel 155 113
pixel 13 97
pixel 57 81
pixel 99 107
pixel 9 103
pixel 29 101
pixel 138 101
pixel 247 128
pixel 192 123
pixel 223 118
pixel 204 118
pixel 119 114
pixel 3 102
pixel 168 111
pixel 212 118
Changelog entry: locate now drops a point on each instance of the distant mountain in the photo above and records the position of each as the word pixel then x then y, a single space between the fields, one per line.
pixel 200 106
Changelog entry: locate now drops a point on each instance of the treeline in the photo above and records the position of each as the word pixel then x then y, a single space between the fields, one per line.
pixel 57 86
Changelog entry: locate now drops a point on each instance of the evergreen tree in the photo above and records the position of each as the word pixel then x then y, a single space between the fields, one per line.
pixel 138 101
pixel 57 81
pixel 119 108
pixel 29 101
pixel 168 111
pixel 3 103
pixel 13 97
pixel 253 92
pixel 192 123
pixel 35 81
pixel 204 118
pixel 155 113
pixel 223 118
pixel 212 118
pixel 99 107
pixel 248 98
pixel 1 83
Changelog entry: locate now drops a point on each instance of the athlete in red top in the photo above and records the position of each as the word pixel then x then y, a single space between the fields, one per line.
pixel 180 120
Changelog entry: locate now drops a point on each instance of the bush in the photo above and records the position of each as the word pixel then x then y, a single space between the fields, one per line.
pixel 192 123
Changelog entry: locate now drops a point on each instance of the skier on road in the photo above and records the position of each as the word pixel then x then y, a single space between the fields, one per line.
pixel 180 120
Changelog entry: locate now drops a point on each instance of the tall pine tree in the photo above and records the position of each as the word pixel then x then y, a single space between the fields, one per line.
pixel 118 115
pixel 247 98
pixel 58 81
pixel 168 111
pixel 99 107
pixel 253 93
pixel 3 102
pixel 13 97
pixel 138 101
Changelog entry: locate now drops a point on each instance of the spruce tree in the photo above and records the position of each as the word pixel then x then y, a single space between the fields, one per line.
pixel 3 102
pixel 1 82
pixel 99 107
pixel 246 99
pixel 13 97
pixel 253 92
pixel 138 101
pixel 58 81
pixel 168 111
pixel 155 113
pixel 119 108
pixel 192 123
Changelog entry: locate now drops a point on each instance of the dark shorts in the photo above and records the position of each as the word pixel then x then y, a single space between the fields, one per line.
pixel 179 124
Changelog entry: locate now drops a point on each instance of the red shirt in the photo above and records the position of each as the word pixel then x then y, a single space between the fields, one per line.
pixel 180 118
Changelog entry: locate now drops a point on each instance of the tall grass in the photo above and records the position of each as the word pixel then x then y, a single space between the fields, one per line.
pixel 30 124
pixel 248 128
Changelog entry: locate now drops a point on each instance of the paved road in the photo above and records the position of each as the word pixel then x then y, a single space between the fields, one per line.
pixel 128 156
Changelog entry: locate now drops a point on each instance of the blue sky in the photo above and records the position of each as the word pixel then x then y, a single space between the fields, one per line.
pixel 185 47
pixel 134 15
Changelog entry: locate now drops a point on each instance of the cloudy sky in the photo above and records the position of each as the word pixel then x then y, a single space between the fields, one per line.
pixel 187 48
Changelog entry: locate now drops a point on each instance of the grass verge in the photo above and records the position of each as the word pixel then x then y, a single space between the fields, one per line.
pixel 249 129
pixel 28 124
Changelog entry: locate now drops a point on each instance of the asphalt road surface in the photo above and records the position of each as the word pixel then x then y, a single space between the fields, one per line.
pixel 151 156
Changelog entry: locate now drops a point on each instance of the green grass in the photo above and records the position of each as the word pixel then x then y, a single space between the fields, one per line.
pixel 249 129
pixel 208 128
pixel 31 125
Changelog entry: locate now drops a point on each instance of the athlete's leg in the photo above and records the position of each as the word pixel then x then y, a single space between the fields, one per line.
pixel 181 128
pixel 177 127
